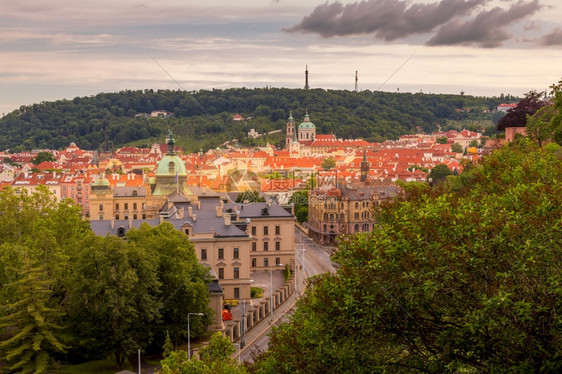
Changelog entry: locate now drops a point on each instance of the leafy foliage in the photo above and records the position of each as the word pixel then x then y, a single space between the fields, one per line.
pixel 439 173
pixel 42 157
pixel 517 117
pixel 113 295
pixel 30 323
pixel 300 199
pixel 461 277
pixel 214 359
pixel 328 163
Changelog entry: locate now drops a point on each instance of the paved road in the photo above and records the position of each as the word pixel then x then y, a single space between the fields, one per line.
pixel 316 260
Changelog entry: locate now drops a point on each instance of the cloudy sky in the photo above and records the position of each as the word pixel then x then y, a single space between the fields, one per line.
pixel 60 49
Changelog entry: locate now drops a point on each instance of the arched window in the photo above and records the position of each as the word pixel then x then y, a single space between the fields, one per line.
pixel 171 167
pixel 325 216
pixel 135 193
pixel 356 228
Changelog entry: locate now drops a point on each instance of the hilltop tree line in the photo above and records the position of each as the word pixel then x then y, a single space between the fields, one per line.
pixel 204 119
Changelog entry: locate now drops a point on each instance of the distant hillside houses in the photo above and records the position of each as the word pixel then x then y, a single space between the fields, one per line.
pixel 505 107
pixel 155 114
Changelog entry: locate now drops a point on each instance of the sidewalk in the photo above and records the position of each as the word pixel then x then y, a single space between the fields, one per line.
pixel 264 326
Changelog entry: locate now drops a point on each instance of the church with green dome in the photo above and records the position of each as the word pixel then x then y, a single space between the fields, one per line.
pixel 171 174
pixel 307 130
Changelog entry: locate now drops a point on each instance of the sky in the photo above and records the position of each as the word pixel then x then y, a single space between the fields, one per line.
pixel 61 49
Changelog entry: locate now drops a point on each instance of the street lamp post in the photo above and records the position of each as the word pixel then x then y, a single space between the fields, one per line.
pixel 236 344
pixel 271 292
pixel 189 333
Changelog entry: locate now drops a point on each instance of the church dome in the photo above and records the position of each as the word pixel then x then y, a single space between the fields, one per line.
pixel 171 165
pixel 101 182
pixel 306 124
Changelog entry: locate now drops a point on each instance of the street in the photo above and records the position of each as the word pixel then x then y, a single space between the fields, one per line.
pixel 313 259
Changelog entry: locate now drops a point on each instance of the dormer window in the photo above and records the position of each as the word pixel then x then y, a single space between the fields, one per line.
pixel 135 193
pixel 171 167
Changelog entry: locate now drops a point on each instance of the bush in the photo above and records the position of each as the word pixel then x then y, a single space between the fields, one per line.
pixel 256 292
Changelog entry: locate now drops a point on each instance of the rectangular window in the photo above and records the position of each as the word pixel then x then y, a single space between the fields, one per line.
pixel 254 246
pixel 221 253
pixel 221 273
pixel 265 230
pixel 203 254
pixel 277 230
pixel 277 261
pixel 134 206
pixel 116 206
pixel 236 292
pixel 143 216
pixel 266 262
pixel 126 206
pixel 277 246
pixel 265 246
pixel 117 216
pixel 253 230
pixel 101 207
pixel 254 262
pixel 236 253
pixel 236 273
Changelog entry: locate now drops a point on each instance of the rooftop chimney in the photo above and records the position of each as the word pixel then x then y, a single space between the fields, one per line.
pixel 190 212
pixel 194 217
pixel 112 222
pixel 227 219
pixel 130 221
pixel 219 210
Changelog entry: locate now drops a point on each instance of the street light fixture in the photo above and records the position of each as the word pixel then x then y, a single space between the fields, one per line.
pixel 243 322
pixel 271 292
pixel 189 333
pixel 236 344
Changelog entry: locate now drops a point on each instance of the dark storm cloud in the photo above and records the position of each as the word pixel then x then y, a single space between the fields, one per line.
pixel 458 22
pixel 387 19
pixel 487 29
pixel 554 38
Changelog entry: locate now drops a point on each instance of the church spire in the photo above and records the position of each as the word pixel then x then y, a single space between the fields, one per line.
pixel 364 167
pixel 171 143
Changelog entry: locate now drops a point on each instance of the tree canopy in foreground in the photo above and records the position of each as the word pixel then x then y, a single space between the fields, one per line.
pixel 464 276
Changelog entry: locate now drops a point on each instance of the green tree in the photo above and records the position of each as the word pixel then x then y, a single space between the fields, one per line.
pixel 42 157
pixel 300 199
pixel 113 300
pixel 441 140
pixel 183 281
pixel 213 359
pixel 328 163
pixel 457 148
pixel 28 325
pixel 439 173
pixel 460 278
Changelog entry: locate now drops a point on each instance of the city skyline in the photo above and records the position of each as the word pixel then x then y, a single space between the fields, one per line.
pixel 64 49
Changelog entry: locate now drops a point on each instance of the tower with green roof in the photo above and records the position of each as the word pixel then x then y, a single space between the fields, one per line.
pixel 291 130
pixel 307 129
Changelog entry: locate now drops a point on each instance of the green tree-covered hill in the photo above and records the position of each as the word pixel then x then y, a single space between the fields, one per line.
pixel 204 119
